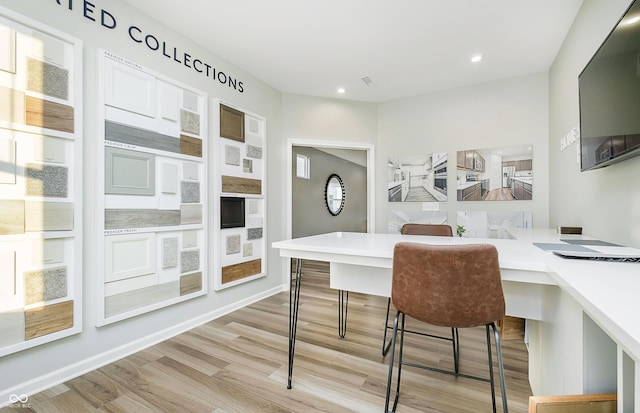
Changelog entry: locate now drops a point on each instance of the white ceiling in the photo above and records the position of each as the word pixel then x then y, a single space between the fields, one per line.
pixel 407 47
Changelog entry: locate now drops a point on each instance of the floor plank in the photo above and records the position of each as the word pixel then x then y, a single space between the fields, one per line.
pixel 238 363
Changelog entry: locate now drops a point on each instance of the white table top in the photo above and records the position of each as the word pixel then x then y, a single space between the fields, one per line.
pixel 608 291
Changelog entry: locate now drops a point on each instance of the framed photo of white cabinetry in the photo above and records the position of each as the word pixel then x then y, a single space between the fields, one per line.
pixel 40 183
pixel 153 220
pixel 239 216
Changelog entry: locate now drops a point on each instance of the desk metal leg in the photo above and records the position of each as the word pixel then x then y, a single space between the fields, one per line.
pixel 343 306
pixel 294 301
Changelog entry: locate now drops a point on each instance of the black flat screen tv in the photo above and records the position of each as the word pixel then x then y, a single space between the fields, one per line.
pixel 231 212
pixel 609 89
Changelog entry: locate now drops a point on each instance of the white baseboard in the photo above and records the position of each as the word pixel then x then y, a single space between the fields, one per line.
pixel 84 366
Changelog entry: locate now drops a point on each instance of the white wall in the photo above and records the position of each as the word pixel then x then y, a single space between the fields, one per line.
pixel 504 113
pixel 27 371
pixel 605 202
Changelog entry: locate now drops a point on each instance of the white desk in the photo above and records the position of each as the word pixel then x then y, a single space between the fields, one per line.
pixel 583 324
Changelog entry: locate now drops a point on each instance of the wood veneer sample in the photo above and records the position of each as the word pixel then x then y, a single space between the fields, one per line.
pixel 12 216
pixel 190 146
pixel 48 216
pixel 239 271
pixel 12 107
pixel 238 185
pixel 140 218
pixel 231 123
pixel 49 115
pixel 190 283
pixel 48 319
pixel 143 297
pixel 140 137
pixel 583 403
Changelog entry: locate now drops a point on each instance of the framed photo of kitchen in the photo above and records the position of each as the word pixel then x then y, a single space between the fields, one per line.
pixel 40 184
pixel 153 224
pixel 417 178
pixel 496 174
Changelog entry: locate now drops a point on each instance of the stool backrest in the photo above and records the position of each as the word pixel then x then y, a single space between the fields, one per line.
pixel 448 285
pixel 442 230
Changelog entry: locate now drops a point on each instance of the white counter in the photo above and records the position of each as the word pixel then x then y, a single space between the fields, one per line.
pixel 468 184
pixel 566 355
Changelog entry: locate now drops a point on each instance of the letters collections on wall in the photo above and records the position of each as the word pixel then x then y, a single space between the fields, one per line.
pixel 40 184
pixel 241 169
pixel 154 225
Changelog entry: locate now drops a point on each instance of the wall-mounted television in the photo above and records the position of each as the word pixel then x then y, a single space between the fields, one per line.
pixel 231 212
pixel 610 96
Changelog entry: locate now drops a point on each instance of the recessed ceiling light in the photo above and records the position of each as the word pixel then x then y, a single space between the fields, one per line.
pixel 632 20
pixel 476 58
pixel 341 90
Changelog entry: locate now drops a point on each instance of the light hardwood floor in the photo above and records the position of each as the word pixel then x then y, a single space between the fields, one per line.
pixel 238 363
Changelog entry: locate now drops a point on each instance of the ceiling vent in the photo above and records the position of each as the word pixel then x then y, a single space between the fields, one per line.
pixel 367 81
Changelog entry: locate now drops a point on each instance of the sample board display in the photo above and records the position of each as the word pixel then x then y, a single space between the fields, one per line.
pixel 241 209
pixel 40 184
pixel 153 232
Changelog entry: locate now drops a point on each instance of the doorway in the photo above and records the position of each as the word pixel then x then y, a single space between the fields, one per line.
pixel 355 162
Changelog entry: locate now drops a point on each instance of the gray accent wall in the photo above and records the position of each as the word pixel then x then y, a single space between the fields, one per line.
pixel 310 214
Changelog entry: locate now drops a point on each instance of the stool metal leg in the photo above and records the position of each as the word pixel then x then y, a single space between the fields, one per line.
pixel 343 306
pixel 500 368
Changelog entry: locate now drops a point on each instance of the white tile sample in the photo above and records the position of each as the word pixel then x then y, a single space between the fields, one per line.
pixel 189 239
pixel 247 249
pixel 190 191
pixel 232 244
pixel 169 252
pixel 46 180
pixel 190 171
pixel 130 284
pixel 12 326
pixel 168 178
pixel 45 285
pixel 7 49
pixel 7 160
pixel 169 102
pixel 48 251
pixel 254 126
pixel 253 207
pixel 190 101
pixel 129 172
pixel 129 255
pixel 189 122
pixel 247 166
pixel 48 149
pixel 190 214
pixel 189 260
pixel 48 48
pixel 7 274
pixel 231 155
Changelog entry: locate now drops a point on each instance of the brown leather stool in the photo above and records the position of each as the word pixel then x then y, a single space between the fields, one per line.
pixel 453 286
pixel 441 230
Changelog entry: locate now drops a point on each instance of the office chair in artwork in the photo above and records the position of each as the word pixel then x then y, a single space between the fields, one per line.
pixel 442 230
pixel 455 286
